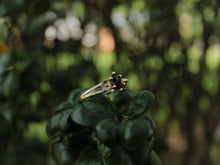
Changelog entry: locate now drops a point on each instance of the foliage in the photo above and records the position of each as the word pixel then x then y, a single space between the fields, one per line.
pixel 96 131
pixel 48 48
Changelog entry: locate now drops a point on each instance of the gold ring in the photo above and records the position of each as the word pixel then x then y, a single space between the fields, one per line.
pixel 114 82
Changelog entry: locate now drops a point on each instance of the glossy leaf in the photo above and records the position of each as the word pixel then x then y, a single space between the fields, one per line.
pixel 67 150
pixel 63 106
pixel 57 123
pixel 135 133
pixel 89 156
pixel 62 154
pixel 108 132
pixel 153 159
pixel 74 96
pixel 52 128
pixel 62 123
pixel 90 115
pixel 103 100
pixel 114 155
pixel 148 118
pixel 140 103
pixel 140 155
pixel 121 99
pixel 75 133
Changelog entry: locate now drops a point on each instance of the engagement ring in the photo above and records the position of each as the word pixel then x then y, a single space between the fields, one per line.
pixel 114 82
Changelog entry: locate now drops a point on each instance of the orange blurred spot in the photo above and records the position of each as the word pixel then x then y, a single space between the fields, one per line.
pixel 49 44
pixel 176 141
pixel 4 48
pixel 106 40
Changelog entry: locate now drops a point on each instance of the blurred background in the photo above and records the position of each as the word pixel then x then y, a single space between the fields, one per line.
pixel 48 48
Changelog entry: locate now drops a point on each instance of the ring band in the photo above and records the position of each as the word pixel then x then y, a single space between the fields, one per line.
pixel 114 82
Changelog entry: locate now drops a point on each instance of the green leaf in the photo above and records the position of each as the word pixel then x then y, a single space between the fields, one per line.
pixel 121 99
pixel 89 156
pixel 114 155
pixel 52 128
pixel 135 133
pixel 73 132
pixel 58 123
pixel 153 159
pixel 140 103
pixel 63 106
pixel 148 118
pixel 108 132
pixel 103 100
pixel 62 123
pixel 73 97
pixel 140 155
pixel 62 154
pixel 90 115
pixel 70 148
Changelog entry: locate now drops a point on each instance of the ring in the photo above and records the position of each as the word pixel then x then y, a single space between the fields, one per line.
pixel 114 82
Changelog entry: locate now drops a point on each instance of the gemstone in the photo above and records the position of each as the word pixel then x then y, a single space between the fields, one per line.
pixel 117 81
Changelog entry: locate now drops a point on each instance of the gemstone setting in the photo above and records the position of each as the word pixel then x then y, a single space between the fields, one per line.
pixel 116 81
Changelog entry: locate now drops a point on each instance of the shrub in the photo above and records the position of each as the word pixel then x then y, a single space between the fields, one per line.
pixel 100 131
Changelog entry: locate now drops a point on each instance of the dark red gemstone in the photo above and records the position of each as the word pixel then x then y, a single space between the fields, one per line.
pixel 117 80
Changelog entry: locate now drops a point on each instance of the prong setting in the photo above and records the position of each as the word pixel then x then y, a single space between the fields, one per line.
pixel 117 81
pixel 121 89
pixel 114 86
